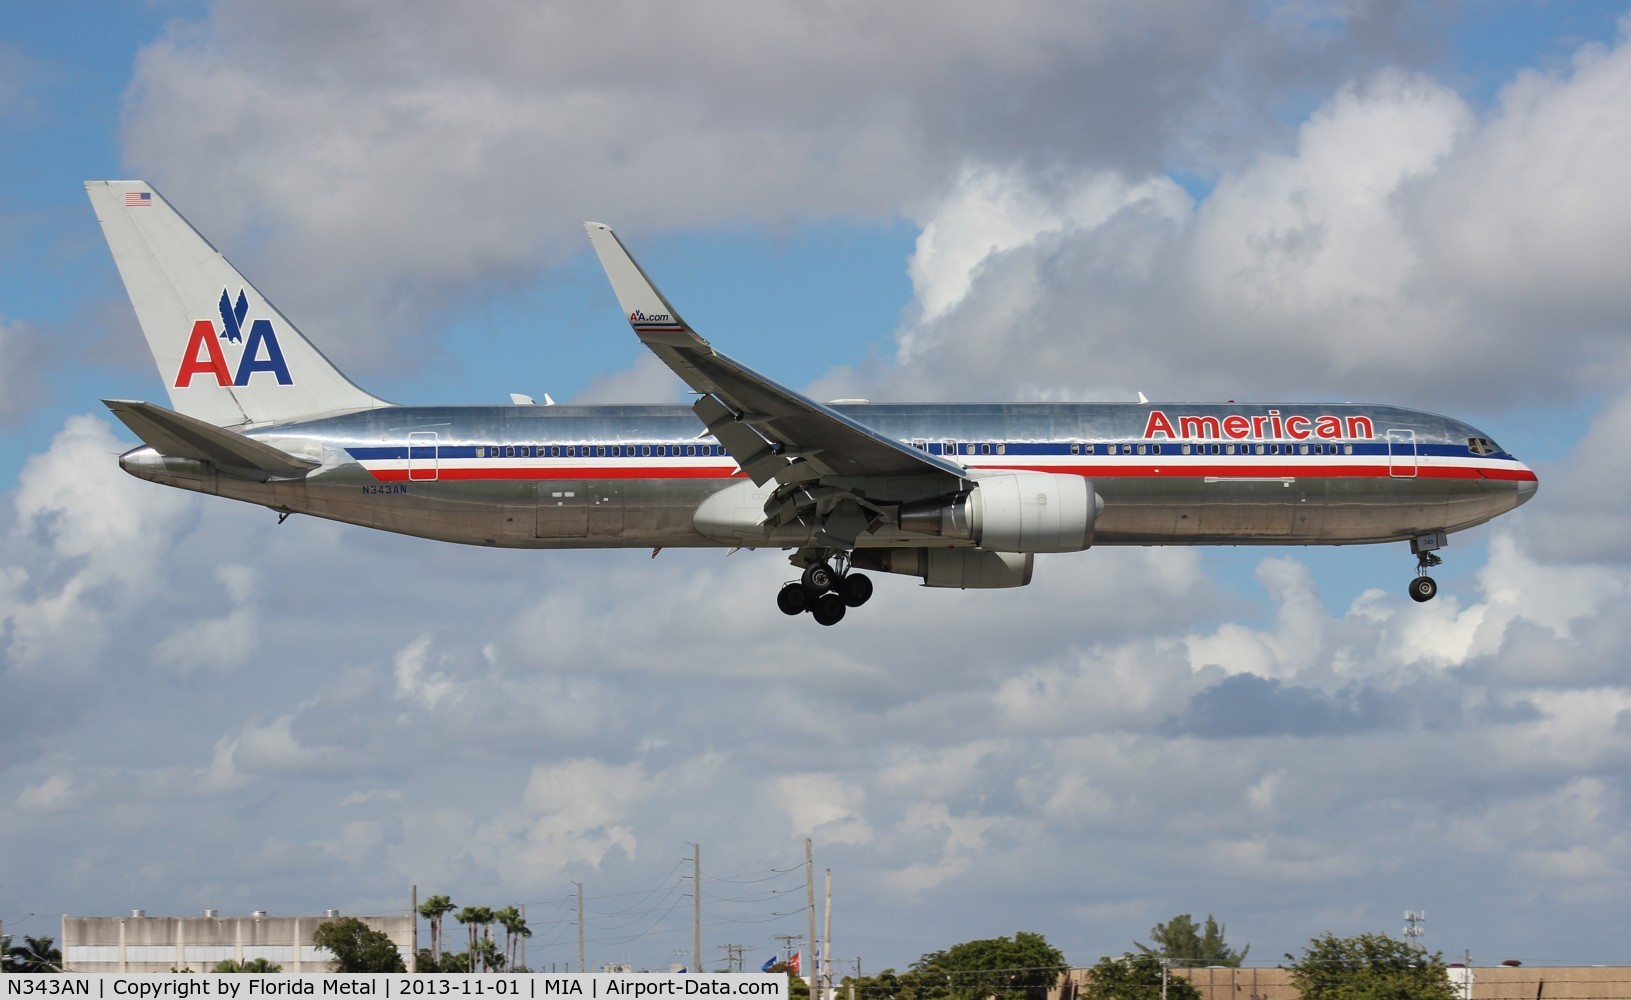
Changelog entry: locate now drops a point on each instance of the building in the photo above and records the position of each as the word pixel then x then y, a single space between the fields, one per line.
pixel 140 943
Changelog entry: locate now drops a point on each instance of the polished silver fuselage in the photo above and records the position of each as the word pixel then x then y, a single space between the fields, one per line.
pixel 626 476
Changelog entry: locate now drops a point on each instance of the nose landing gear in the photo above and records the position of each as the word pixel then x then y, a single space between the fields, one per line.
pixel 1424 588
pixel 824 592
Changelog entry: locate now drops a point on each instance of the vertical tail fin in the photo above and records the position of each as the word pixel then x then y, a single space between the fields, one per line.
pixel 226 355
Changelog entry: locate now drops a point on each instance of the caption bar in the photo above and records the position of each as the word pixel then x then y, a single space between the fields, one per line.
pixel 529 986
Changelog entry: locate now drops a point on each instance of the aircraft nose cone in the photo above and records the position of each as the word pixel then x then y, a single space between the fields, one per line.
pixel 1526 489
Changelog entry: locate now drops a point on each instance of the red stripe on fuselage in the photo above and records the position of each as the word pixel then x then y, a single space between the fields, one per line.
pixel 533 472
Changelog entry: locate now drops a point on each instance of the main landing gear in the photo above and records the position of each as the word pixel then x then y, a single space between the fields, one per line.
pixel 1424 588
pixel 825 592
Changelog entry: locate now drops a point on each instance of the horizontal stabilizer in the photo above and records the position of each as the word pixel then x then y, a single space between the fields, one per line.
pixel 177 435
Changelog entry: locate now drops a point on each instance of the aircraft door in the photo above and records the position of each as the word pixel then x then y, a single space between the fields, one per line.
pixel 563 509
pixel 1401 453
pixel 424 457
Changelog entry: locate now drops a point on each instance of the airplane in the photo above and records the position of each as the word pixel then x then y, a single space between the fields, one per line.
pixel 957 495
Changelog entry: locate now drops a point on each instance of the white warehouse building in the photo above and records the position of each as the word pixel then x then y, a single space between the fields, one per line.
pixel 140 943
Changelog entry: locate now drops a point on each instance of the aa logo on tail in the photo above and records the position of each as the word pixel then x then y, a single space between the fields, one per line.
pixel 260 353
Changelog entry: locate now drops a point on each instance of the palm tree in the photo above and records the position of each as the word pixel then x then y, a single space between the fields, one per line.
pixel 36 955
pixel 472 917
pixel 490 958
pixel 434 909
pixel 521 931
pixel 515 928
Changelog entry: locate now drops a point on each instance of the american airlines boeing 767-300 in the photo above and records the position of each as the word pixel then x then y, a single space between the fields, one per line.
pixel 957 495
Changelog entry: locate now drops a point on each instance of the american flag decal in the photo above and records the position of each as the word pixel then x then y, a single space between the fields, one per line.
pixel 141 199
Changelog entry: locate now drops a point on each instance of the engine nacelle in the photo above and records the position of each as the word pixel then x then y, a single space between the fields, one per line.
pixel 965 569
pixel 1013 512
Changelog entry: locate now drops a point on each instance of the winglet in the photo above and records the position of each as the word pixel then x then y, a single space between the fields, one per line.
pixel 653 319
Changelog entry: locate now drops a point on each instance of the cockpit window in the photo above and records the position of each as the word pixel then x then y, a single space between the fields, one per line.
pixel 1481 446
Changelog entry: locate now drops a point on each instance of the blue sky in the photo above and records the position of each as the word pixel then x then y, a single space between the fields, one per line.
pixel 1422 204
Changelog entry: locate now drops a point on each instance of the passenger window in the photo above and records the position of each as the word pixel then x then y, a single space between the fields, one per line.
pixel 1075 449
pixel 1002 449
pixel 645 451
pixel 1142 449
pixel 985 449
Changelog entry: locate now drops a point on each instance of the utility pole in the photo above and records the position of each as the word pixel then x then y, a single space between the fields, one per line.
pixel 733 956
pixel 787 945
pixel 696 908
pixel 826 942
pixel 413 911
pixel 809 905
pixel 580 925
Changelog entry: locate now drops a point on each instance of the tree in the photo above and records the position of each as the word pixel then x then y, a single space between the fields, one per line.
pixel 455 963
pixel 1369 967
pixel 1023 968
pixel 1182 943
pixel 886 985
pixel 356 947
pixel 474 917
pixel 797 988
pixel 488 955
pixel 1134 977
pixel 434 909
pixel 515 928
pixel 252 965
pixel 35 954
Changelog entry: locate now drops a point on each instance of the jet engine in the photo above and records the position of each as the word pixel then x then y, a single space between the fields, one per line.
pixel 1013 512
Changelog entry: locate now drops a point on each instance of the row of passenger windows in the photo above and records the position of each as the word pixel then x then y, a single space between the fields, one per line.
pixel 1185 448
pixel 714 450
pixel 600 451
pixel 1229 448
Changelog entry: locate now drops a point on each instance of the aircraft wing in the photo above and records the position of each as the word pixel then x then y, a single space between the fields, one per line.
pixel 770 430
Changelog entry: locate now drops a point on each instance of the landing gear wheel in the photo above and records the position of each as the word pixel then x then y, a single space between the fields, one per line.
pixel 818 578
pixel 1423 589
pixel 793 599
pixel 829 609
pixel 855 589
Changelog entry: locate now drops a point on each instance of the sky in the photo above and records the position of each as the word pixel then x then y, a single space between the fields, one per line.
pixel 1420 204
